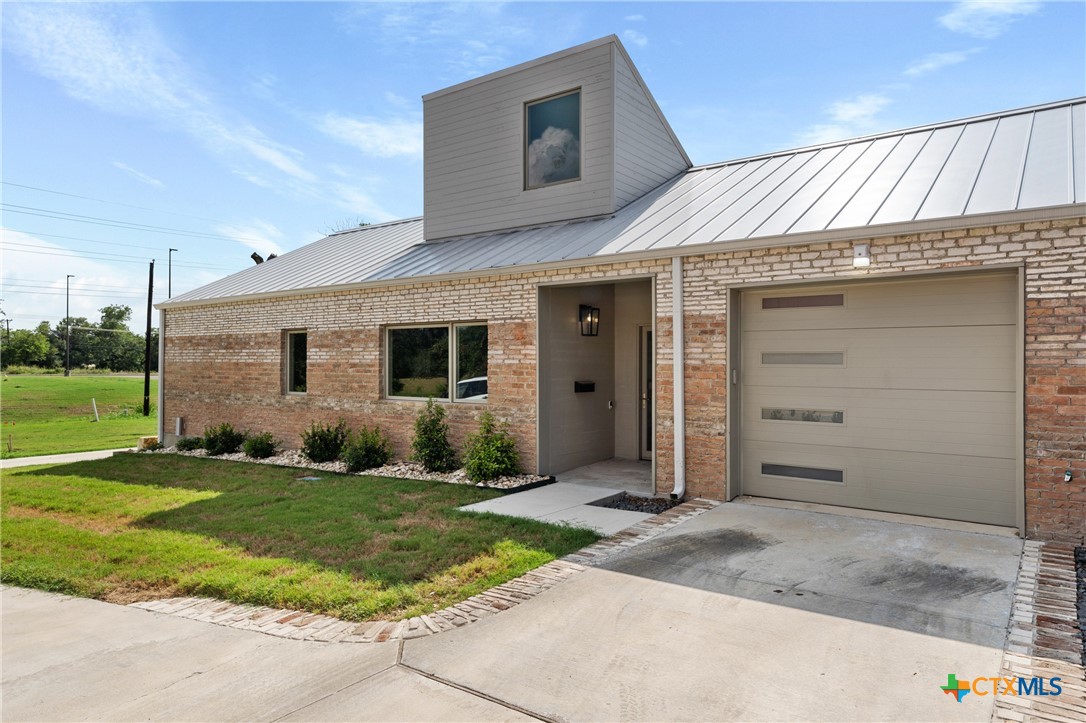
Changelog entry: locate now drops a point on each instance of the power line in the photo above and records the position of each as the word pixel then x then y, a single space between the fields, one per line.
pixel 90 240
pixel 113 203
pixel 78 296
pixel 118 258
pixel 117 223
pixel 50 284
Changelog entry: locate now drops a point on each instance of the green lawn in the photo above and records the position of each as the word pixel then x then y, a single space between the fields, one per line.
pixel 53 414
pixel 144 526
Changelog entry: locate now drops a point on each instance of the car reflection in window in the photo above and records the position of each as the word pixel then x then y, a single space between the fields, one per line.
pixel 471 390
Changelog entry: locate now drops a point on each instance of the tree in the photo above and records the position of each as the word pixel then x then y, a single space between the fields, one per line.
pixel 26 347
pixel 115 316
pixel 347 224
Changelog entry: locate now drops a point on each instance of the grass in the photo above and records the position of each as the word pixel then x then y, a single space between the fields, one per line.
pixel 144 526
pixel 51 414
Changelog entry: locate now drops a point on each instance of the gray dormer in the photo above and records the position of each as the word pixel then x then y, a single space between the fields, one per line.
pixel 572 135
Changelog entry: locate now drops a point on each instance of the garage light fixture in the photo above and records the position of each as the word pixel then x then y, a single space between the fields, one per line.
pixel 861 256
pixel 589 318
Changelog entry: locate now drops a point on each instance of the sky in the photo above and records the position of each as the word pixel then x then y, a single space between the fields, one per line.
pixel 220 129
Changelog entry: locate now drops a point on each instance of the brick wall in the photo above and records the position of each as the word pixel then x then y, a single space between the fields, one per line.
pixel 223 362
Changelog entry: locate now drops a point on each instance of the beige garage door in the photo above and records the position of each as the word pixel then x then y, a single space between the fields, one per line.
pixel 895 396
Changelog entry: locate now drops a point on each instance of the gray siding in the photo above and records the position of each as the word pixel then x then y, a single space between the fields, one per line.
pixel 646 154
pixel 633 308
pixel 474 149
pixel 575 429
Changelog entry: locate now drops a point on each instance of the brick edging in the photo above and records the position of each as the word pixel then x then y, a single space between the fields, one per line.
pixel 1044 638
pixel 298 625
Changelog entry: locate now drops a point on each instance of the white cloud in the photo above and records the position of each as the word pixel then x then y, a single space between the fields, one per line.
pixel 936 61
pixel 113 57
pixel 383 139
pixel 848 118
pixel 358 202
pixel 554 156
pixel 257 235
pixel 142 177
pixel 97 283
pixel 986 18
pixel 472 38
pixel 635 18
pixel 397 100
pixel 635 38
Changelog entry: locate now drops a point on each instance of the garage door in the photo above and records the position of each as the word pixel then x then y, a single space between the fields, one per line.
pixel 895 396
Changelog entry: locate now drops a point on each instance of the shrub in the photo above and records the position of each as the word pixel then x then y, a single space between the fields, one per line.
pixel 491 453
pixel 367 449
pixel 324 443
pixel 260 446
pixel 189 444
pixel 222 439
pixel 431 444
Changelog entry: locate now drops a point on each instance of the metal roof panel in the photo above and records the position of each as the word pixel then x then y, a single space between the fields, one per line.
pixel 1026 159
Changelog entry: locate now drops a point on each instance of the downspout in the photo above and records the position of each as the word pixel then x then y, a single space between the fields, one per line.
pixel 677 371
pixel 161 378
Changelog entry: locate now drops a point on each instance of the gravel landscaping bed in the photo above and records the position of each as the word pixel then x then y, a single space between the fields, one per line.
pixel 634 503
pixel 399 470
pixel 1080 567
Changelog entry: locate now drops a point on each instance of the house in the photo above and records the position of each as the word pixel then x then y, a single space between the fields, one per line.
pixel 895 322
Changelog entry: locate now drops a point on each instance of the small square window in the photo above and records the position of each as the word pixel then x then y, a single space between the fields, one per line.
pixel 552 140
pixel 296 362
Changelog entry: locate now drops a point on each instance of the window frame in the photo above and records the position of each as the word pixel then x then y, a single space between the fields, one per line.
pixel 526 134
pixel 452 327
pixel 288 358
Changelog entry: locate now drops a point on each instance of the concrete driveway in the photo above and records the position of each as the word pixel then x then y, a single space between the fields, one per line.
pixel 743 613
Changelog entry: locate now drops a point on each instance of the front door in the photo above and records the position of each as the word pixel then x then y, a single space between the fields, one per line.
pixel 645 368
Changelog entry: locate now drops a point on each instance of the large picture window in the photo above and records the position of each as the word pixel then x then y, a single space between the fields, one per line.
pixel 552 140
pixel 296 362
pixel 446 362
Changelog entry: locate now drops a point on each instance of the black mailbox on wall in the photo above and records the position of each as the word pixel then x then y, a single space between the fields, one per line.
pixel 580 387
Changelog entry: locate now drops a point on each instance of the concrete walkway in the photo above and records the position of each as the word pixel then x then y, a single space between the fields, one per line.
pixel 60 458
pixel 744 612
pixel 564 502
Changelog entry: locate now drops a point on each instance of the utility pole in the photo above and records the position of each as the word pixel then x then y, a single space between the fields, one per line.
pixel 169 275
pixel 147 345
pixel 68 326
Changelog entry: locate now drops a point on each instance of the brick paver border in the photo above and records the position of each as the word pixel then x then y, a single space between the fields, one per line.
pixel 1044 638
pixel 325 628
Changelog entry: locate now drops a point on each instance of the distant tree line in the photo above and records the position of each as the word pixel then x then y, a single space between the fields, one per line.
pixel 106 344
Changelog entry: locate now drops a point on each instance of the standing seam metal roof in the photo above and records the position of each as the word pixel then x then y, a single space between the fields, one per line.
pixel 1024 159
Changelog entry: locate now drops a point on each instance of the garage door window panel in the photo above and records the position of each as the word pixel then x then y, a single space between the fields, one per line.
pixel 812 474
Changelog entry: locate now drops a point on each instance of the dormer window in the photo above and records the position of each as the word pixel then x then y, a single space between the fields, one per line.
pixel 552 152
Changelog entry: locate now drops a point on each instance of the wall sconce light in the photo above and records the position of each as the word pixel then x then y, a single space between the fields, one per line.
pixel 861 256
pixel 589 318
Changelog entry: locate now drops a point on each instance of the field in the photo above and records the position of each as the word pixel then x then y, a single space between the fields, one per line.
pixel 53 414
pixel 145 526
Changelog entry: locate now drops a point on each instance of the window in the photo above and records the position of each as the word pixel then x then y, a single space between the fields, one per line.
pixel 422 363
pixel 552 140
pixel 296 362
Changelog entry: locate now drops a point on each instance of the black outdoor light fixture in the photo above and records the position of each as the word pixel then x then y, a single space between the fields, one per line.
pixel 589 317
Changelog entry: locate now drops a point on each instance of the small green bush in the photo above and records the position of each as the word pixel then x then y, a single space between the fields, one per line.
pixel 222 439
pixel 260 446
pixel 189 444
pixel 367 449
pixel 324 443
pixel 431 445
pixel 492 453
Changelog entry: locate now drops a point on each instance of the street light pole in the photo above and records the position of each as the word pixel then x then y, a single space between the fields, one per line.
pixel 68 326
pixel 169 275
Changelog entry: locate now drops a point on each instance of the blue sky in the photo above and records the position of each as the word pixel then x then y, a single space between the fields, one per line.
pixel 222 128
